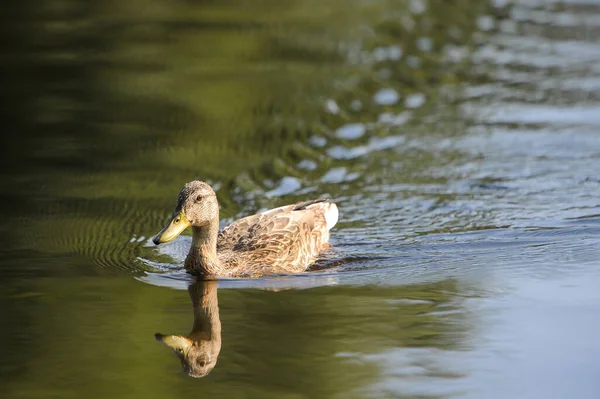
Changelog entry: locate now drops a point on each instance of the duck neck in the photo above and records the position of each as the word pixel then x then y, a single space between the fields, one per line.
pixel 207 325
pixel 202 259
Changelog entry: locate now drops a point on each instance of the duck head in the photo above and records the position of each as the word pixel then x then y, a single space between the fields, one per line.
pixel 197 206
pixel 197 358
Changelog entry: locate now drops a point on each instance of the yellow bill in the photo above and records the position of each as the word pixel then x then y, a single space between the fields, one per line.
pixel 180 344
pixel 176 225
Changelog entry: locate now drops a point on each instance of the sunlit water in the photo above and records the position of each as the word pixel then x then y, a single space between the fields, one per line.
pixel 461 143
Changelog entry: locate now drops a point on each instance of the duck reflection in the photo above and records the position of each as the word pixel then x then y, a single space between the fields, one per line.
pixel 198 351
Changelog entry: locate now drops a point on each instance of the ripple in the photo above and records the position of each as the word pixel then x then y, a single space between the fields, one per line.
pixel 485 22
pixel 317 141
pixel 392 53
pixel 286 186
pixel 543 114
pixel 332 107
pixel 425 44
pixel 351 131
pixel 181 280
pixel 386 97
pixel 339 175
pixel 414 100
pixel 307 165
pixel 341 152
pixel 394 119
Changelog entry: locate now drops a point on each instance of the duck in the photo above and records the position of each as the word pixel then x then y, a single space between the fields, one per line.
pixel 199 350
pixel 283 240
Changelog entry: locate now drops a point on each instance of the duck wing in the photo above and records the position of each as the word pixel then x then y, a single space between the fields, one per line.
pixel 231 234
pixel 285 239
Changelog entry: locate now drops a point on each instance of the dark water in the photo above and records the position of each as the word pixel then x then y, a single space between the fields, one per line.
pixel 461 141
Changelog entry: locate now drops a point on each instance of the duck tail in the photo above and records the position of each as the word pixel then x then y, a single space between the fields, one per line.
pixel 331 215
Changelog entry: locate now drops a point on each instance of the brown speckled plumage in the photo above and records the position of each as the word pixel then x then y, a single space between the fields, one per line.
pixel 287 239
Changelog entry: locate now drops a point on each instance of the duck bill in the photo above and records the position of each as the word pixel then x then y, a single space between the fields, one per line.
pixel 178 343
pixel 176 225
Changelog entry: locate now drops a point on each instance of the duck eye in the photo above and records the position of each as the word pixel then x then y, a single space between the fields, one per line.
pixel 199 198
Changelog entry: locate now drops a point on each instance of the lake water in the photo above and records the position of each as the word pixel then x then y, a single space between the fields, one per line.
pixel 460 140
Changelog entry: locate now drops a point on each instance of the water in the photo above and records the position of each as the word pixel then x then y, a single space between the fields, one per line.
pixel 460 141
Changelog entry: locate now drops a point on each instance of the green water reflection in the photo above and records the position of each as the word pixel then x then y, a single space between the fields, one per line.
pixel 458 139
pixel 122 106
pixel 94 337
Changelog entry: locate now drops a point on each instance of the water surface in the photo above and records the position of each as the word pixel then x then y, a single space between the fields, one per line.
pixel 460 141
